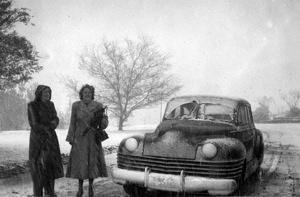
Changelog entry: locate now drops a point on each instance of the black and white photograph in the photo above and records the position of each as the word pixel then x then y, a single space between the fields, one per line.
pixel 149 98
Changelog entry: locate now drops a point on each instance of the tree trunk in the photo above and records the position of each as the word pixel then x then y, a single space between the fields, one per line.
pixel 121 121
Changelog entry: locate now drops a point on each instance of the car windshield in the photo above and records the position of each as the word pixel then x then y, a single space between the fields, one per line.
pixel 182 109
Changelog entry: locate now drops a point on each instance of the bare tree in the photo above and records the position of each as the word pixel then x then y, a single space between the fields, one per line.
pixel 262 112
pixel 265 101
pixel 132 75
pixel 292 100
pixel 73 85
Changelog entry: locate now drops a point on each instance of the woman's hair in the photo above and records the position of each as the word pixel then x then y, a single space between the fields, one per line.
pixel 91 88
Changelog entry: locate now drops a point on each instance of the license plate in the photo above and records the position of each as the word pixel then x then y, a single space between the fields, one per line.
pixel 166 182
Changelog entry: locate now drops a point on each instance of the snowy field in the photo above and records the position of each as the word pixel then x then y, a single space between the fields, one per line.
pixel 284 134
pixel 14 144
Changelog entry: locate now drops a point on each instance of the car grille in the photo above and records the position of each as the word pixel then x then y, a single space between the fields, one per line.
pixel 212 169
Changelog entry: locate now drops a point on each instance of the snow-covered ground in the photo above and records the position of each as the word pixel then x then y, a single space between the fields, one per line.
pixel 284 134
pixel 14 144
pixel 14 148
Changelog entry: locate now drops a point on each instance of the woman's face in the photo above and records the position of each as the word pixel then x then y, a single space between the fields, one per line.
pixel 87 95
pixel 46 94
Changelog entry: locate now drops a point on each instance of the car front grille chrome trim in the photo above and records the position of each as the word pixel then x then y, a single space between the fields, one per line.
pixel 147 172
pixel 182 183
pixel 176 183
pixel 225 169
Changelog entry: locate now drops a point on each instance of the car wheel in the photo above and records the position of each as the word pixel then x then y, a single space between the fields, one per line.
pixel 257 172
pixel 134 190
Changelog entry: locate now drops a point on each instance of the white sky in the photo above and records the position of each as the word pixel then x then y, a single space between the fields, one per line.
pixel 245 49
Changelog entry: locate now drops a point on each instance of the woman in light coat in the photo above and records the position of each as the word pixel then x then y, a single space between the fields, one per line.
pixel 86 156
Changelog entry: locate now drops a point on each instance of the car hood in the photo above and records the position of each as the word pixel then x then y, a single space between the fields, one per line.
pixel 180 138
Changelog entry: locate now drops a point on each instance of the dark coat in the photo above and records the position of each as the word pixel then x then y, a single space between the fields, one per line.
pixel 44 152
pixel 86 157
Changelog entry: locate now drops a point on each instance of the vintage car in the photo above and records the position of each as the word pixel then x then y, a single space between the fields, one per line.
pixel 203 144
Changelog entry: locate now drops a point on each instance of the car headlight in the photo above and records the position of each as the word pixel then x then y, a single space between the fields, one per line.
pixel 209 150
pixel 131 144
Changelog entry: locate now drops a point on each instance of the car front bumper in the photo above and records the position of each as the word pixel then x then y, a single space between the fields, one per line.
pixel 176 183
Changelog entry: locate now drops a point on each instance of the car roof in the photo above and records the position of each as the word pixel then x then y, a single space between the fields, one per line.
pixel 229 101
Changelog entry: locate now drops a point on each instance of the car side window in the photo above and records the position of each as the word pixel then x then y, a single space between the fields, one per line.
pixel 249 114
pixel 242 115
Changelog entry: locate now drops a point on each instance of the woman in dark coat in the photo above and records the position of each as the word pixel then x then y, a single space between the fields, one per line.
pixel 44 153
pixel 86 157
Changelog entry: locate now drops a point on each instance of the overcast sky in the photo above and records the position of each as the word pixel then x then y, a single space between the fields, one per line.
pixel 245 49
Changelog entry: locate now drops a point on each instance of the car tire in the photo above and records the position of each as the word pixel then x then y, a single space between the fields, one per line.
pixel 134 190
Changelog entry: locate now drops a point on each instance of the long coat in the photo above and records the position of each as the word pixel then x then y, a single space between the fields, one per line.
pixel 86 156
pixel 44 153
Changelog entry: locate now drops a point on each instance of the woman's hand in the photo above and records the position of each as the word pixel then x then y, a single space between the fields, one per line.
pixel 53 124
pixel 88 129
pixel 45 134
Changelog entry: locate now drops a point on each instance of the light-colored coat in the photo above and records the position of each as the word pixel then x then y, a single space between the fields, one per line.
pixel 86 156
